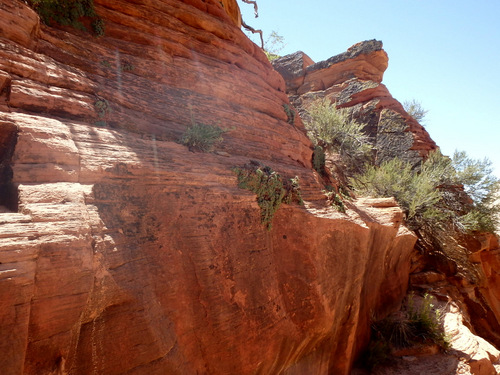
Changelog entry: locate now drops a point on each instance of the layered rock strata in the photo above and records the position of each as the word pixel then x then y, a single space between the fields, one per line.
pixel 353 80
pixel 463 267
pixel 121 251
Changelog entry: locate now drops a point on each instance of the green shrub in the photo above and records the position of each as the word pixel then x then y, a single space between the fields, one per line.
pixel 271 190
pixel 408 327
pixel 412 325
pixel 425 322
pixel 478 182
pixel 420 191
pixel 482 218
pixel 202 137
pixel 334 130
pixel 127 67
pixel 414 109
pixel 98 26
pixel 106 64
pixel 290 113
pixel 416 193
pixel 68 13
pixel 483 187
pixel 319 160
pixel 102 107
pixel 334 199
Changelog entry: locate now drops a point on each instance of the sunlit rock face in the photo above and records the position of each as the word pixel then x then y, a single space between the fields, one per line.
pixel 353 80
pixel 124 252
pixel 463 267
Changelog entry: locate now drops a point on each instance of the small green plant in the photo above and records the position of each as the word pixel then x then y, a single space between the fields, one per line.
pixel 425 322
pixel 127 67
pixel 319 160
pixel 102 108
pixel 202 137
pixel 106 64
pixel 124 67
pixel 68 13
pixel 334 199
pixel 271 190
pixel 290 113
pixel 98 27
pixel 414 109
pixel 334 130
pixel 408 327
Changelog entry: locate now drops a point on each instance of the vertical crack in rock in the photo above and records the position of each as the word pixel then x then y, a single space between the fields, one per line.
pixel 8 190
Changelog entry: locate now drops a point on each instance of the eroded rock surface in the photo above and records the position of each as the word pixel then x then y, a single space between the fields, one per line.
pixel 468 354
pixel 127 253
pixel 353 80
pixel 449 259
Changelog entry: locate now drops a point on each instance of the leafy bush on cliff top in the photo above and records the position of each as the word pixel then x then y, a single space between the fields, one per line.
pixel 483 187
pixel 414 109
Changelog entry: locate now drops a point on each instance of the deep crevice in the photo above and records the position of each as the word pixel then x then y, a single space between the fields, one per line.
pixel 9 196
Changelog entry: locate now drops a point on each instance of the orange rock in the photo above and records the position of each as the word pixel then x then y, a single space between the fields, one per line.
pixel 131 254
pixel 353 80
pixel 18 23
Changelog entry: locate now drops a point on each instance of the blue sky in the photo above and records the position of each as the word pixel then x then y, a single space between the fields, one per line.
pixel 445 54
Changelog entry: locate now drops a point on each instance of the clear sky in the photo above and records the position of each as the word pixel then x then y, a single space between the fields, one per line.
pixel 444 53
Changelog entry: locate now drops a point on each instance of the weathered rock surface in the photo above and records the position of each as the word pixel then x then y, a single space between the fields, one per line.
pixel 353 80
pixel 472 262
pixel 468 354
pixel 123 252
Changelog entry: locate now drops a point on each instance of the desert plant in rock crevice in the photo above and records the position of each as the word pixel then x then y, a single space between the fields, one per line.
pixel 290 113
pixel 412 325
pixel 202 137
pixel 270 188
pixel 334 130
pixel 334 198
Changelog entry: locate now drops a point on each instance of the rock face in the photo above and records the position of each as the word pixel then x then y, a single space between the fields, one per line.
pixel 469 270
pixel 353 79
pixel 121 251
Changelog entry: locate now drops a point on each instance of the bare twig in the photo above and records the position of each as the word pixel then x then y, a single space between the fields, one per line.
pixel 255 7
pixel 250 28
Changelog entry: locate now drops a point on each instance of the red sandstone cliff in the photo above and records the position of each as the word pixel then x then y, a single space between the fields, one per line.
pixel 452 265
pixel 123 252
pixel 353 80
